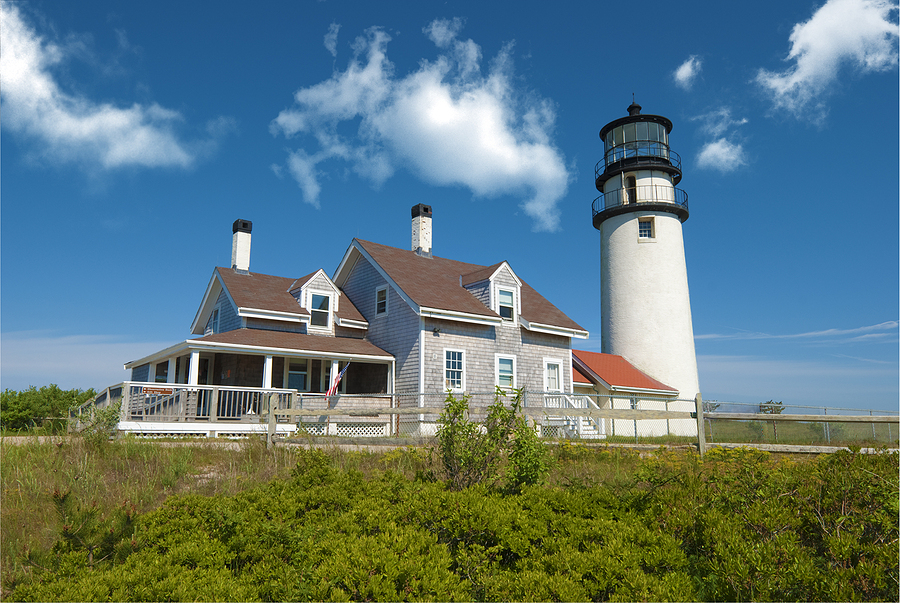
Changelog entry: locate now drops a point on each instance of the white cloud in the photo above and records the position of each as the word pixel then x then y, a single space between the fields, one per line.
pixel 722 152
pixel 687 72
pixel 69 127
pixel 856 32
pixel 717 122
pixel 722 155
pixel 446 122
pixel 331 38
pixel 883 329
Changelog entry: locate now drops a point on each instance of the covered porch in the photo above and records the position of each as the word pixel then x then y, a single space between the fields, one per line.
pixel 230 378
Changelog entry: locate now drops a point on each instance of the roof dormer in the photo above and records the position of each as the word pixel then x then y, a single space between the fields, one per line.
pixel 318 295
pixel 498 288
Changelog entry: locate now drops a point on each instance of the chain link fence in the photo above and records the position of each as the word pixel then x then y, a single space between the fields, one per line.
pixel 781 431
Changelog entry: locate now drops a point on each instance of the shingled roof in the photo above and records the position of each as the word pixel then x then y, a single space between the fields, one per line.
pixel 272 293
pixel 435 282
pixel 614 371
pixel 295 342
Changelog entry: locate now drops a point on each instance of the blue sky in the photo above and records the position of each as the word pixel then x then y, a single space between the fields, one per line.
pixel 134 134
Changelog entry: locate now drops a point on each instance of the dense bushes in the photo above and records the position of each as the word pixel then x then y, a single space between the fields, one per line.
pixel 738 525
pixel 30 407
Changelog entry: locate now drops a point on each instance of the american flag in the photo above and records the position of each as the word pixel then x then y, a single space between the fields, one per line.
pixel 337 381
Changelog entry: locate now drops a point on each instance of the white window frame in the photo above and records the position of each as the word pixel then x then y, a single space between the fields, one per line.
pixel 652 223
pixel 327 325
pixel 214 321
pixel 378 290
pixel 512 292
pixel 497 359
pixel 562 380
pixel 444 370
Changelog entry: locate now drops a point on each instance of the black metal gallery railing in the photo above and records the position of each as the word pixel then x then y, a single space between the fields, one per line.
pixel 651 193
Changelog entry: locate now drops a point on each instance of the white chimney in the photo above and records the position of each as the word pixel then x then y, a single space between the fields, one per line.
pixel 421 229
pixel 240 245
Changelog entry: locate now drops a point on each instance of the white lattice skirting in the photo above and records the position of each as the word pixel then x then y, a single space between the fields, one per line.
pixel 347 430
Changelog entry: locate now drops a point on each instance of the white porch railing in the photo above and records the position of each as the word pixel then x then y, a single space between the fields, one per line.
pixel 169 408
pixel 575 426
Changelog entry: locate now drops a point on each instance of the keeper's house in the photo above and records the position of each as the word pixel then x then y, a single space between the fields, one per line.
pixel 407 326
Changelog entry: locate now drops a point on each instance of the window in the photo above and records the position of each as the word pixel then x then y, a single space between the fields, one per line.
pixel 507 307
pixel 298 376
pixel 213 325
pixel 645 228
pixel 506 371
pixel 162 372
pixel 380 301
pixel 454 370
pixel 320 310
pixel 552 374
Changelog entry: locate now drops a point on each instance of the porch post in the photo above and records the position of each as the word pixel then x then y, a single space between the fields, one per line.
pixel 267 372
pixel 151 373
pixel 194 376
pixel 335 371
pixel 171 376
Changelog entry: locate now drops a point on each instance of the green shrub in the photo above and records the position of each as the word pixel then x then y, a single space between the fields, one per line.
pixel 30 407
pixel 737 525
pixel 470 453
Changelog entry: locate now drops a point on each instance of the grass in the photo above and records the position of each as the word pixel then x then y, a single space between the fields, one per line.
pixel 130 471
pixel 144 473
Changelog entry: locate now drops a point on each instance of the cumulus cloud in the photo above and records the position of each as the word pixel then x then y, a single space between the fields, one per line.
pixel 69 127
pixel 860 33
pixel 722 153
pixel 331 38
pixel 687 72
pixel 446 122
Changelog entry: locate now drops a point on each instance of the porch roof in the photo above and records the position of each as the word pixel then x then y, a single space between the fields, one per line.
pixel 278 343
pixel 614 372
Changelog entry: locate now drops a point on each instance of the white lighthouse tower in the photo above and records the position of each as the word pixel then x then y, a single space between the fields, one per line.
pixel 645 304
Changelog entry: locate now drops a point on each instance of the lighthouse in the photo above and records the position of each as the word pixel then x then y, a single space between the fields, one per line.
pixel 644 300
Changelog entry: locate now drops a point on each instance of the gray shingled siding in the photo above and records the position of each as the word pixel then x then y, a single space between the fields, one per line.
pixel 140 373
pixel 481 343
pixel 276 325
pixel 482 291
pixel 396 332
pixel 349 332
pixel 228 318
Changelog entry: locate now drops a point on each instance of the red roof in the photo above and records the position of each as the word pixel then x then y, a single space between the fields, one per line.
pixel 614 370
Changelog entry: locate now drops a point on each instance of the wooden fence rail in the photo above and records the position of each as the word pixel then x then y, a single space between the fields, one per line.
pixel 594 413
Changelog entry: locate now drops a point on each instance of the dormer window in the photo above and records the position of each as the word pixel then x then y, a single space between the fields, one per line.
pixel 506 302
pixel 320 310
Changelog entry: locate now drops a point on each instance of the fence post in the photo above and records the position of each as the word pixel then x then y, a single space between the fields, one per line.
pixel 874 437
pixel 270 432
pixel 701 429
